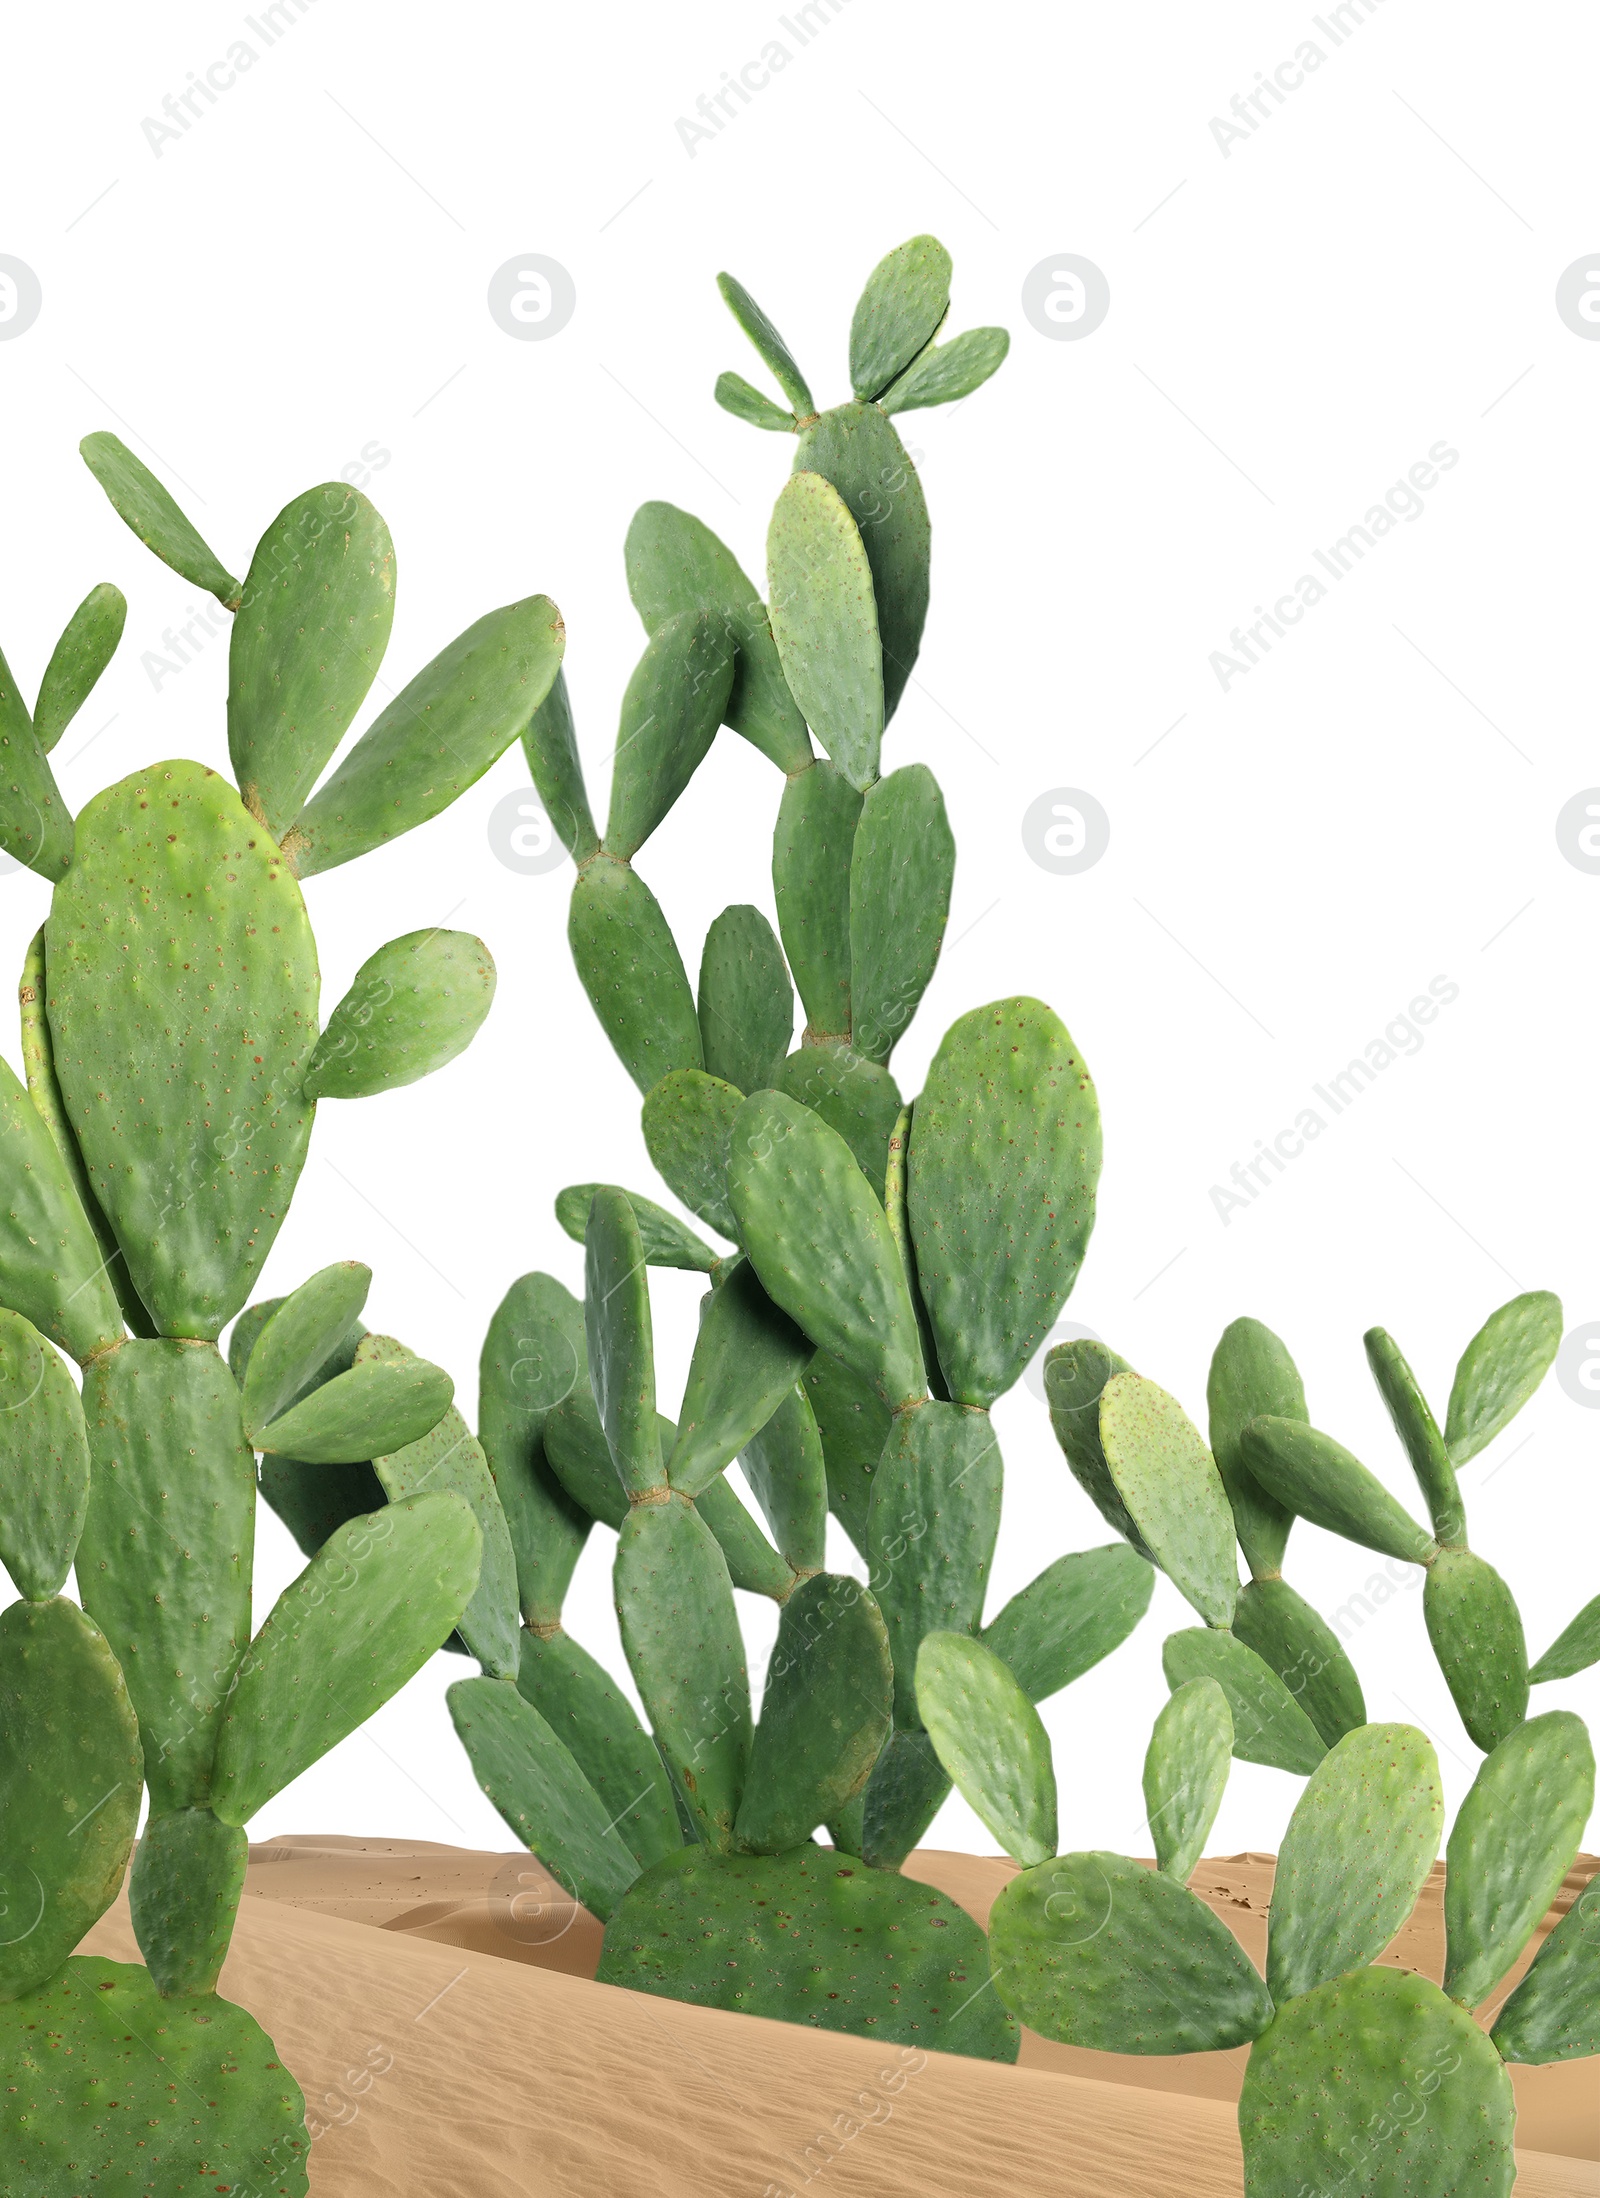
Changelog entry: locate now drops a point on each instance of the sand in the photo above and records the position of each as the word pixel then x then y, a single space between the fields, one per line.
pixel 438 2008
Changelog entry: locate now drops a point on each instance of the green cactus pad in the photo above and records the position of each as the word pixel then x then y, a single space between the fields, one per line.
pixel 812 846
pixel 616 1313
pixel 1251 1373
pixel 590 1715
pixel 1319 1479
pixel 52 1270
pixel 810 1937
pixel 681 1636
pixel 1357 1852
pixel 372 1606
pixel 667 1241
pixel 1075 1376
pixel 853 1095
pixel 312 627
pixel 990 1739
pixel 1512 1843
pixel 97 2055
pixel 313 1500
pixel 87 645
pixel 1554 2014
pixel 142 504
pixel 1476 1631
pixel 436 738
pixel 825 1714
pixel 413 1006
pixel 1169 1481
pixel 70 1780
pixel 784 1465
pixel 899 313
pixel 901 869
pixel 1269 1726
pixel 165 1560
pixel 287 1354
pixel 825 622
pixel 753 1564
pixel 1500 1369
pixel 532 1358
pixel 746 403
pixel 575 1445
pixel 1375 2086
pixel 378 1406
pixel 670 713
pixel 747 1358
pixel 1414 1423
pixel 535 1783
pixel 745 1002
pixel 184 1891
pixel 633 973
pixel 853 1422
pixel 931 1532
pixel 1186 1774
pixel 1005 1154
pixel 1305 1652
pixel 675 563
pixel 947 371
pixel 35 823
pixel 894 1207
pixel 44 1461
pixel 688 1120
pixel 901 1799
pixel 856 448
pixel 193 1139
pixel 775 353
pixel 818 1238
pixel 1098 1951
pixel 1574 1649
pixel 1070 1617
pixel 550 744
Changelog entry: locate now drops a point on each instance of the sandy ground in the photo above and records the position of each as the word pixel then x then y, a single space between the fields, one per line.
pixel 438 2008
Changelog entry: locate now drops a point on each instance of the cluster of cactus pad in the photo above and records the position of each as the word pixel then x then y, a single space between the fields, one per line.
pixel 175 1057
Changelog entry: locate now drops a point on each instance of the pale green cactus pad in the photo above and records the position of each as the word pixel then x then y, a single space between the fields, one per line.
pixel 1070 1617
pixel 44 1461
pixel 1304 1651
pixel 141 502
pixel 1186 1774
pixel 688 1120
pixel 88 643
pixel 670 713
pixel 931 1532
pixel 284 1356
pixel 745 1001
pixel 855 1096
pixel 1269 1725
pixel 1500 1369
pixel 35 823
pixel 1169 1482
pixel 411 1008
pixel 945 372
pixel 1476 1631
pixel 621 1358
pixel 775 353
pixel 825 1714
pixel 666 1241
pixel 1075 1378
pixel 856 448
pixel 1418 1431
pixel 1574 1649
pixel 825 621
pixel 550 743
pixel 1251 1374
pixel 747 1358
pixel 633 973
pixel 591 1716
pixel 901 870
pixel 784 1465
pixel 55 1270
pixel 989 1737
pixel 898 314
pixel 1313 1475
pixel 812 853
pixel 531 1361
pixel 1554 2014
pixel 188 1875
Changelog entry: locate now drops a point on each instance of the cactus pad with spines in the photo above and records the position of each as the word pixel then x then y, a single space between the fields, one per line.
pixel 989 1737
pixel 825 1714
pixel 44 1461
pixel 1269 1725
pixel 87 644
pixel 1070 1617
pixel 898 314
pixel 855 448
pixel 1186 1774
pixel 747 1358
pixel 855 1096
pixel 1169 1482
pixel 411 1008
pixel 187 1879
pixel 632 971
pixel 1304 1651
pixel 825 622
pixel 532 1359
pixel 1500 1369
pixel 593 1719
pixel 745 1001
pixel 550 743
pixel 931 1531
pixel 902 866
pixel 1476 1631
pixel 55 1271
pixel 1251 1374
pixel 141 502
pixel 813 846
pixel 1554 2013
pixel 1313 1475
pixel 670 713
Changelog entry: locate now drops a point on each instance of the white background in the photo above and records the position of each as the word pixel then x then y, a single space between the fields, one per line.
pixel 303 273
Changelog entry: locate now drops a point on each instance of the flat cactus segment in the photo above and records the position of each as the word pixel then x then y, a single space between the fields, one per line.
pixel 810 1937
pixel 293 1345
pixel 1574 1649
pixel 670 713
pixel 1357 1852
pixel 990 1739
pixel 825 1714
pixel 784 1465
pixel 70 1780
pixel 900 1800
pixel 931 1532
pixel 898 314
pixel 377 1407
pixel 187 1881
pixel 98 2037
pixel 532 1358
pixel 1554 2014
pixel 182 1024
pixel 675 563
pixel 535 1783
pixel 589 1714
pixel 1500 1369
pixel 52 1270
pixel 681 1637
pixel 87 645
pixel 165 1560
pixel 1095 1950
pixel 747 1358
pixel 753 1564
pixel 775 353
pixel 1000 1189
pixel 1419 1434
pixel 621 1354
pixel 312 625
pixel 1169 1481
pixel 575 1445
pixel 631 969
pixel 902 867
pixel 1476 1631
pixel 314 1500
pixel 853 1423
pixel 381 1595
pixel 825 622
pixel 1070 1617
pixel 812 846
pixel 1320 1480
pixel 35 823
pixel 894 1207
pixel 746 403
pixel 1305 1652
pixel 436 738
pixel 1269 1725
pixel 688 1120
pixel 1512 1843
pixel 44 1461
pixel 856 448
pixel 1251 1373
pixel 745 1002
pixel 667 1241
pixel 550 743
pixel 411 1007
pixel 853 1095
pixel 818 1238
pixel 1075 1377
pixel 947 371
pixel 142 504
pixel 1186 1774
